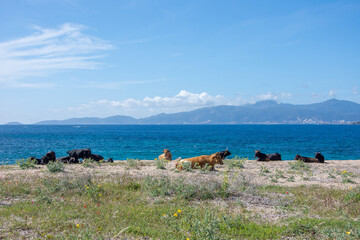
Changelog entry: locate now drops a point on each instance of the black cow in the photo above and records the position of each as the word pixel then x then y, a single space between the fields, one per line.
pixel 49 156
pixel 274 156
pixel 110 160
pixel 96 157
pixel 79 153
pixel 224 154
pixel 267 157
pixel 318 158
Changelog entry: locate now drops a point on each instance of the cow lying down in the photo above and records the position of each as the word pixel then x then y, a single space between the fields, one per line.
pixel 201 161
pixel 319 158
pixel 267 157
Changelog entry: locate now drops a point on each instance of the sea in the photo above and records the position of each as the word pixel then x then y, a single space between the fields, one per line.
pixel 146 142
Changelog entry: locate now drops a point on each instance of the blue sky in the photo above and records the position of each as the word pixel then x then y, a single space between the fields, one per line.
pixel 68 58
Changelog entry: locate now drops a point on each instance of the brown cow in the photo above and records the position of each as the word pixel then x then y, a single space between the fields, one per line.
pixel 201 161
pixel 166 155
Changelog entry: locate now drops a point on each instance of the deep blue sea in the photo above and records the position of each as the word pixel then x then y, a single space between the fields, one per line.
pixel 147 141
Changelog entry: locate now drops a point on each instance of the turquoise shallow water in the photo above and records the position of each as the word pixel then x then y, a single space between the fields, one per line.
pixel 147 141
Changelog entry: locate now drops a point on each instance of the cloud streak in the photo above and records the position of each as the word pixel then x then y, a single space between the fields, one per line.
pixel 47 51
pixel 183 101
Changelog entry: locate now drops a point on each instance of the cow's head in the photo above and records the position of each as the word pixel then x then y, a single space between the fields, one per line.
pixel 319 157
pixel 224 154
pixel 297 157
pixel 257 153
pixel 167 154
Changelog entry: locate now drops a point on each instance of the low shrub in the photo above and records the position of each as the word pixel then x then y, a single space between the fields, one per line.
pixel 264 170
pixel 27 163
pixel 133 163
pixel 89 162
pixel 161 163
pixel 55 167
pixel 299 165
pixel 236 162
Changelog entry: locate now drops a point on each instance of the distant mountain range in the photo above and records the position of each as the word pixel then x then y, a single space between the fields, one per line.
pixel 264 112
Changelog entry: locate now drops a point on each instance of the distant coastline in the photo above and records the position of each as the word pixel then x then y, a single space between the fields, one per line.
pixel 332 111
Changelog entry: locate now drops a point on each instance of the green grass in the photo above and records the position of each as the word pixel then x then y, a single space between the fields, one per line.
pixel 85 206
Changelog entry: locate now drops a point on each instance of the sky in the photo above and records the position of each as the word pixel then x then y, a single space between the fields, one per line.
pixel 86 58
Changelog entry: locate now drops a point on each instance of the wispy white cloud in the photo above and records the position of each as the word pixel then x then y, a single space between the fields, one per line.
pixel 47 51
pixel 271 96
pixel 183 101
pixel 332 93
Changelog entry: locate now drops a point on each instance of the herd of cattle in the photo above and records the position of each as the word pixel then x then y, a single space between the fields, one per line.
pixel 74 156
pixel 199 161
pixel 218 157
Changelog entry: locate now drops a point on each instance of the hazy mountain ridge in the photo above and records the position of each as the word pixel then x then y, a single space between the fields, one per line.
pixel 263 112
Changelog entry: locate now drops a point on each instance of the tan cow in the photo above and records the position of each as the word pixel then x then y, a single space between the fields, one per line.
pixel 166 155
pixel 201 161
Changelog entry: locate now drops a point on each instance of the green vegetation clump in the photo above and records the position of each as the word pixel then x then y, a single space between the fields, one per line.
pixel 161 163
pixel 236 163
pixel 264 170
pixel 89 162
pixel 55 167
pixel 133 163
pixel 27 163
pixel 186 166
pixel 299 165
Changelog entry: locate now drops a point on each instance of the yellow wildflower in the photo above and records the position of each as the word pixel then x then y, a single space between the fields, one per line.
pixel 87 187
pixel 175 215
pixel 99 194
pixel 187 238
pixel 179 211
pixel 344 171
pixel 98 185
pixel 350 188
pixel 77 225
pixel 348 232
